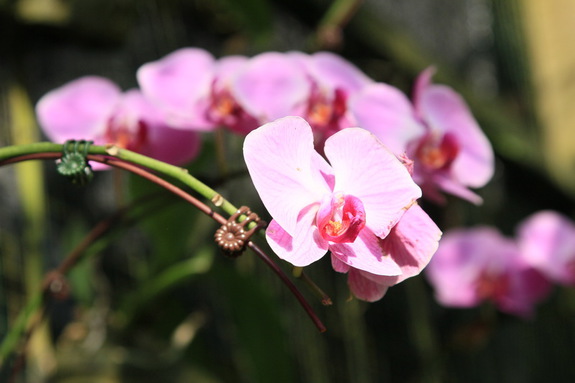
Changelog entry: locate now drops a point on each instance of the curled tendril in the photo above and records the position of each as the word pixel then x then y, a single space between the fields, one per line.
pixel 73 164
pixel 232 237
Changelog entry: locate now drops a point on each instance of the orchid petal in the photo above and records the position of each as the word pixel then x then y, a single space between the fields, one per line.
pixel 284 168
pixel 411 243
pixel 366 254
pixel 79 109
pixel 547 242
pixel 444 110
pixel 174 146
pixel 422 84
pixel 526 288
pixel 304 247
pixel 458 263
pixel 334 72
pixel 227 67
pixel 477 264
pixel 386 112
pixel 365 288
pixel 364 168
pixel 457 189
pixel 180 85
pixel 338 265
pixel 270 86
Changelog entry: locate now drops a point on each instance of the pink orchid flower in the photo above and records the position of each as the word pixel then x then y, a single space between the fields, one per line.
pixel 224 109
pixel 334 80
pixel 479 264
pixel 345 206
pixel 94 108
pixel 387 112
pixel 547 240
pixel 180 85
pixel 453 154
pixel 271 85
pixel 411 244
pixel 449 150
pixel 197 92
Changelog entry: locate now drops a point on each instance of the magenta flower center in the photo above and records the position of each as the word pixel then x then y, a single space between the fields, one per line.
pixel 223 105
pixel 323 111
pixel 131 136
pixel 437 151
pixel 492 286
pixel 340 218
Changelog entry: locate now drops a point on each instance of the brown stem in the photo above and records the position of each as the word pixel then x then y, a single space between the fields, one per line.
pixel 267 260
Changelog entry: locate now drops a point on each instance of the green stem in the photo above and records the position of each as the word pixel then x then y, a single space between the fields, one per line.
pixel 329 30
pixel 325 299
pixel 339 14
pixel 128 160
pixel 19 327
pixel 171 171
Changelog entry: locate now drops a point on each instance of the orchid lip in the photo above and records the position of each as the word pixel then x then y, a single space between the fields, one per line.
pixel 340 218
pixel 437 151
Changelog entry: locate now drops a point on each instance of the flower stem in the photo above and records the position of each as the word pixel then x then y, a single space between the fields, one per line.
pixel 325 299
pixel 168 170
pixel 126 160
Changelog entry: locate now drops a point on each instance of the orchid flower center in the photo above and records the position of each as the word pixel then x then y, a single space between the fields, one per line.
pixel 323 110
pixel 437 151
pixel 492 286
pixel 319 113
pixel 340 218
pixel 223 103
pixel 223 108
pixel 131 135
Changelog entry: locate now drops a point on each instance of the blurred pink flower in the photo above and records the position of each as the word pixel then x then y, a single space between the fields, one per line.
pixel 547 241
pixel 94 108
pixel 271 85
pixel 223 108
pixel 316 87
pixel 437 131
pixel 333 81
pixel 179 84
pixel 386 112
pixel 453 154
pixel 479 264
pixel 195 91
pixel 346 206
